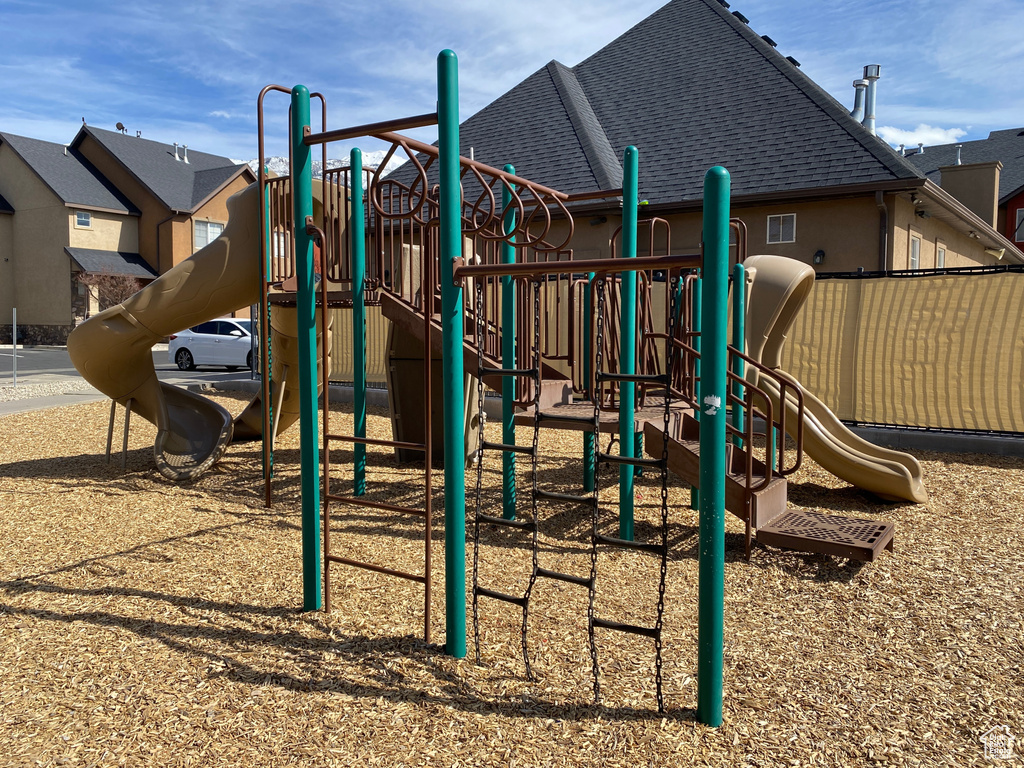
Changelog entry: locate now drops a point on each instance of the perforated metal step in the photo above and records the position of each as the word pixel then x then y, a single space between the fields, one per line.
pixel 850 537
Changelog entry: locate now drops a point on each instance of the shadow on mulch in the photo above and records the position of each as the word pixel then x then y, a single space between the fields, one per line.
pixel 323 659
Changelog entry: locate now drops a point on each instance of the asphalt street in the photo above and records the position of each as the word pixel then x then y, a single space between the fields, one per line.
pixel 52 366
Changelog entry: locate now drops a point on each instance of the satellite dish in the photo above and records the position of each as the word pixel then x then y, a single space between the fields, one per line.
pixel 120 127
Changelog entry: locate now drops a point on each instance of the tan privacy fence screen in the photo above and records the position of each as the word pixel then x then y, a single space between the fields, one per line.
pixel 942 351
pixel 376 345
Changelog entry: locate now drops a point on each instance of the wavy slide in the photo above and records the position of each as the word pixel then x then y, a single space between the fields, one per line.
pixel 112 350
pixel 778 289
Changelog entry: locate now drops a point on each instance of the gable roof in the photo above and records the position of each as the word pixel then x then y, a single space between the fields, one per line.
pixel 691 86
pixel 1006 146
pixel 182 187
pixel 72 178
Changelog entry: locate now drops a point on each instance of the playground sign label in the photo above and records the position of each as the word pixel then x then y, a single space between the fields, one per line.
pixel 998 743
pixel 712 403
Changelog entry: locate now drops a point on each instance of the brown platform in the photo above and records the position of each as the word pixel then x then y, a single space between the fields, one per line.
pixel 653 414
pixel 850 537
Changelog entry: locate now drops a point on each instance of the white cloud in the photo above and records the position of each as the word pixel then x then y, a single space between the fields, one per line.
pixel 929 135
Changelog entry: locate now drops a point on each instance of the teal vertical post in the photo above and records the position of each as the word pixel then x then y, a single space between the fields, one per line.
pixel 739 314
pixel 695 324
pixel 357 230
pixel 627 342
pixel 589 438
pixel 714 348
pixel 309 449
pixel 452 325
pixel 508 355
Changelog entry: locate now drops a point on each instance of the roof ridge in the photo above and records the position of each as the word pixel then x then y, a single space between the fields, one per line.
pixel 591 134
pixel 828 104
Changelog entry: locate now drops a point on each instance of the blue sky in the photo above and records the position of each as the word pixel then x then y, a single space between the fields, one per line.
pixel 191 71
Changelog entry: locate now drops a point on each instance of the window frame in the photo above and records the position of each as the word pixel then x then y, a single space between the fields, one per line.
pixel 940 255
pixel 207 223
pixel 1018 232
pixel 78 220
pixel 914 259
pixel 782 228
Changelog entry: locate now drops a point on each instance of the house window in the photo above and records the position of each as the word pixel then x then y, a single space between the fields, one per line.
pixel 83 220
pixel 915 252
pixel 207 232
pixel 782 228
pixel 940 256
pixel 1018 232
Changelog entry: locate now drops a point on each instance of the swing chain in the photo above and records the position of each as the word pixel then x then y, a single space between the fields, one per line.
pixel 598 362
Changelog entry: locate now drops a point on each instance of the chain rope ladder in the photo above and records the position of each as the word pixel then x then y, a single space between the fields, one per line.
pixel 662 463
pixel 479 517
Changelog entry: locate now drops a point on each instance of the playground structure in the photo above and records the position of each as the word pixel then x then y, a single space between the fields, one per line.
pixel 640 341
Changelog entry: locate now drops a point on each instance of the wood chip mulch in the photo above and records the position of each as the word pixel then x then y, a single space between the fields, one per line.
pixel 144 622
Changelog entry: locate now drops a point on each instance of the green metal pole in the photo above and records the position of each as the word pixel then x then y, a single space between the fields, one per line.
pixel 695 322
pixel 508 356
pixel 309 449
pixel 452 326
pixel 357 229
pixel 714 348
pixel 627 342
pixel 589 438
pixel 739 313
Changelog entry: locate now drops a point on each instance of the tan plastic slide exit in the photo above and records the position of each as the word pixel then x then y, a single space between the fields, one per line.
pixel 778 289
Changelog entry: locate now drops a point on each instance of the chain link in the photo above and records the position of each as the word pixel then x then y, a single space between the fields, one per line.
pixel 479 333
pixel 598 362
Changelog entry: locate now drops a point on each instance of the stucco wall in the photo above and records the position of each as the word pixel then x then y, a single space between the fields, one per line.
pixel 41 274
pixel 108 232
pixel 6 265
pixel 961 250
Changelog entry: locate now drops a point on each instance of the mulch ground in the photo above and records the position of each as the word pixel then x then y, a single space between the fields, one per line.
pixel 144 622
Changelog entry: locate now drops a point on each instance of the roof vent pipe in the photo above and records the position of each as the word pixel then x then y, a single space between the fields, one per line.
pixel 902 151
pixel 185 149
pixel 176 151
pixel 920 147
pixel 858 100
pixel 871 73
pixel 958 148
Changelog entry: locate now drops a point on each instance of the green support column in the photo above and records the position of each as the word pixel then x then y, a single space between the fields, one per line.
pixel 589 438
pixel 714 349
pixel 309 448
pixel 508 356
pixel 357 230
pixel 739 313
pixel 695 324
pixel 627 342
pixel 452 326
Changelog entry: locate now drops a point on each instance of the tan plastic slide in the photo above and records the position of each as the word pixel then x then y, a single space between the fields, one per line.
pixel 778 289
pixel 112 350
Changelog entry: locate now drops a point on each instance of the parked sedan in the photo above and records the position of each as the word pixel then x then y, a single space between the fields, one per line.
pixel 226 341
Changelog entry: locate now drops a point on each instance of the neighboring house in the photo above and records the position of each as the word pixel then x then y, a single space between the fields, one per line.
pixel 693 86
pixel 984 174
pixel 107 204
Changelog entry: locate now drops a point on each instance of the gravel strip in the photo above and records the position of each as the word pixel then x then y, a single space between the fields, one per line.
pixel 144 622
pixel 9 393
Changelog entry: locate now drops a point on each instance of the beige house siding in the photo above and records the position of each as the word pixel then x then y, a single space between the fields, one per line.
pixel 152 210
pixel 961 250
pixel 108 232
pixel 41 274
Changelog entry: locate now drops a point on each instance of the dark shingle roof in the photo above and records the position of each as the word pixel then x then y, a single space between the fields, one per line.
pixel 111 262
pixel 1007 146
pixel 179 185
pixel 69 176
pixel 5 207
pixel 691 86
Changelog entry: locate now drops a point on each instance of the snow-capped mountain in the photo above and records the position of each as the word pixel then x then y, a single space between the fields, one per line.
pixel 279 165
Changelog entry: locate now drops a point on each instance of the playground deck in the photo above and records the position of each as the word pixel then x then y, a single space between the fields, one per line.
pixel 154 623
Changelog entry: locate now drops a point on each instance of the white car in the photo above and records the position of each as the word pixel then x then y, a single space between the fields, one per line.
pixel 225 341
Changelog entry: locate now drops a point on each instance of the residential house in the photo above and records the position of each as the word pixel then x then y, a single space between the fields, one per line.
pixel 107 204
pixel 694 86
pixel 986 175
